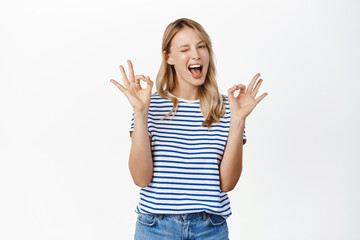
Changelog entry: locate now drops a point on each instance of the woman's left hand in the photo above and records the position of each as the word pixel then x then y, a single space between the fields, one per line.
pixel 243 104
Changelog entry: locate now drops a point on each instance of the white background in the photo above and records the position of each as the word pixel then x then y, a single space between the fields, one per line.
pixel 64 140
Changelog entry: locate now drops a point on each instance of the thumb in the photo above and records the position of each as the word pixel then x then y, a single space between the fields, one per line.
pixel 149 83
pixel 231 92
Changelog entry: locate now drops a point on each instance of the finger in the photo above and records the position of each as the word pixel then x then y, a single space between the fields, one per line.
pixel 121 87
pixel 231 92
pixel 137 79
pixel 256 89
pixel 131 71
pixel 149 83
pixel 233 89
pixel 241 87
pixel 261 97
pixel 142 79
pixel 252 83
pixel 124 77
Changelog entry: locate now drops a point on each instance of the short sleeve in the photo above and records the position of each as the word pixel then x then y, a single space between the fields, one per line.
pixel 244 137
pixel 132 125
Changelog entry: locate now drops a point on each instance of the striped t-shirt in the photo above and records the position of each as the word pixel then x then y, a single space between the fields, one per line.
pixel 185 155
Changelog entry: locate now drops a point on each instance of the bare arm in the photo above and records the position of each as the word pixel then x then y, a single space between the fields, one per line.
pixel 140 159
pixel 240 107
pixel 231 164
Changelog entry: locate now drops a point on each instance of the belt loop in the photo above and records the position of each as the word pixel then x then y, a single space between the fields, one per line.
pixel 160 216
pixel 204 215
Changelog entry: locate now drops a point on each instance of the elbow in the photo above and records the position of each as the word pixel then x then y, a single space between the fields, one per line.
pixel 142 177
pixel 142 185
pixel 142 182
pixel 229 185
pixel 227 188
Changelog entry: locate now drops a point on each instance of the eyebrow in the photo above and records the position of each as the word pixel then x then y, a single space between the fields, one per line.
pixel 186 45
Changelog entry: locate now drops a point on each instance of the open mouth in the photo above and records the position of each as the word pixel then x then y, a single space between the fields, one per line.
pixel 196 70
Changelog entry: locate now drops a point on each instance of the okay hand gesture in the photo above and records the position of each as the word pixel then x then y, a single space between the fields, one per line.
pixel 138 97
pixel 242 105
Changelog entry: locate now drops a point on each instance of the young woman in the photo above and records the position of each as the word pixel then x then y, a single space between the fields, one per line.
pixel 187 139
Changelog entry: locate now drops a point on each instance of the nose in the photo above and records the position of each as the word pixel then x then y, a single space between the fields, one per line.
pixel 195 54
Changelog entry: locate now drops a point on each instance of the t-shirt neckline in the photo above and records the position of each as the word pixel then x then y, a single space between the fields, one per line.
pixel 184 100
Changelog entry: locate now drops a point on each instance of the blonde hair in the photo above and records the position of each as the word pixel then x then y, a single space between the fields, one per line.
pixel 212 103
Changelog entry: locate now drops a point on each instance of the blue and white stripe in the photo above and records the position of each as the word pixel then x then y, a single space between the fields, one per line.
pixel 185 155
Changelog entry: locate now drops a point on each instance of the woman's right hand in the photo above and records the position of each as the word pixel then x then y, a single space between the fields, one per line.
pixel 138 97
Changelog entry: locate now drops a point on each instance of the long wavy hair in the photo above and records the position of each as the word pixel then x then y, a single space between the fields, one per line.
pixel 212 103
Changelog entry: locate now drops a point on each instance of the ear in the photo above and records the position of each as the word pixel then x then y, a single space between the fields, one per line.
pixel 168 59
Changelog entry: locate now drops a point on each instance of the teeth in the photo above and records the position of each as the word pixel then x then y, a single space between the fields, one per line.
pixel 194 66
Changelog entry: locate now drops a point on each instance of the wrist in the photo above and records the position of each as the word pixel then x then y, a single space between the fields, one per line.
pixel 237 122
pixel 141 115
pixel 140 112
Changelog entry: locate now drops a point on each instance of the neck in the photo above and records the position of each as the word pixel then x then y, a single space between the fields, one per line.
pixel 186 91
pixel 187 94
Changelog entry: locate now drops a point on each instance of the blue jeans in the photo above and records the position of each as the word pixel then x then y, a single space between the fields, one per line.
pixel 191 226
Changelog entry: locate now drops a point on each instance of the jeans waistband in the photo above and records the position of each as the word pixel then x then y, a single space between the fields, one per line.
pixel 185 216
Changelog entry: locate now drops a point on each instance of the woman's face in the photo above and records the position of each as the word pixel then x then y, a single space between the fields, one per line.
pixel 190 57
